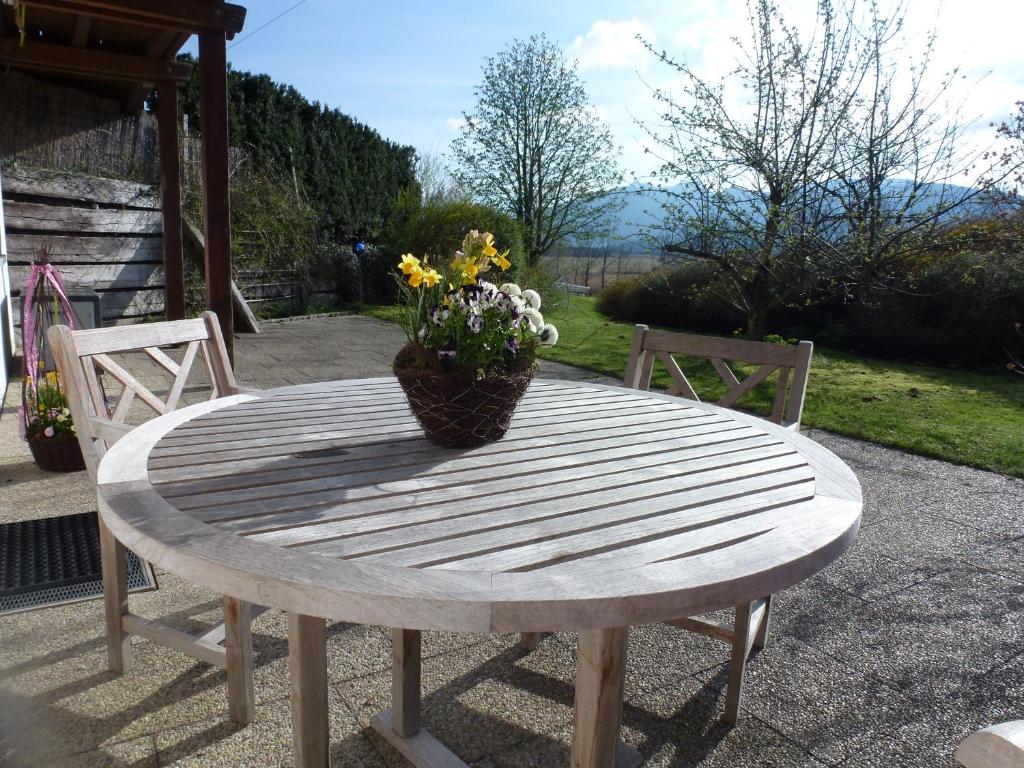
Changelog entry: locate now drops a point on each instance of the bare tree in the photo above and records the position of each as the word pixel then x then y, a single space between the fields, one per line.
pixel 535 147
pixel 905 173
pixel 745 177
pixel 435 178
pixel 825 165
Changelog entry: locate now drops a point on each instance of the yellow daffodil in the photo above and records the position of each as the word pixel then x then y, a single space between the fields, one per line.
pixel 490 251
pixel 431 278
pixel 503 263
pixel 409 264
pixel 415 276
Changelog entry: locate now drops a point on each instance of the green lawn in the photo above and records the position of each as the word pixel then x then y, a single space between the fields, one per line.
pixel 968 418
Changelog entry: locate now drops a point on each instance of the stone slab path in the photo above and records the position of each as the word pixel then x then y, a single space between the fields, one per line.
pixel 887 658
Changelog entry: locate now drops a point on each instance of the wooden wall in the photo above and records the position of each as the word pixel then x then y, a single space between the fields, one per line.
pixel 103 234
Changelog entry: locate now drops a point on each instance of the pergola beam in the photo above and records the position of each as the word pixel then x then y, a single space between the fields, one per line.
pixel 170 199
pixel 162 42
pixel 187 15
pixel 213 117
pixel 85 62
pixel 80 35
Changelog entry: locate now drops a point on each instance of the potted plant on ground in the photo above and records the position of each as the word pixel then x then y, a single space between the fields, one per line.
pixel 46 423
pixel 472 345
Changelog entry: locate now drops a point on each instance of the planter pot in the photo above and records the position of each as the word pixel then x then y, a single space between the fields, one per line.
pixel 457 410
pixel 60 453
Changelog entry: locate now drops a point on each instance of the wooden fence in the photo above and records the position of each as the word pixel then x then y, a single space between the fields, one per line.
pixel 104 235
pixel 43 125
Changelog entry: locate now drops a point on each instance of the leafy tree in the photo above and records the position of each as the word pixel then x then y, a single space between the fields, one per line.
pixel 535 147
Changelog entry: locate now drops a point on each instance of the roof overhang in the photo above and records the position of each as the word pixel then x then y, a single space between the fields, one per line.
pixel 118 48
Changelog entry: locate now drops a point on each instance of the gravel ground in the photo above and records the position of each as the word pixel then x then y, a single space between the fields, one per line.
pixel 889 657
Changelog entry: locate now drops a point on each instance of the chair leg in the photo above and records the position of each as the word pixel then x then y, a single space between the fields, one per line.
pixel 741 642
pixel 115 600
pixel 238 651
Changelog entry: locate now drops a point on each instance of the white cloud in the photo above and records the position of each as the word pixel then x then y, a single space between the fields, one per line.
pixel 612 45
pixel 455 124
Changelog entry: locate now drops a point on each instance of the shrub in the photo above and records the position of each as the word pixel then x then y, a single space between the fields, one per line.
pixel 961 312
pixel 436 228
pixel 957 309
pixel 686 297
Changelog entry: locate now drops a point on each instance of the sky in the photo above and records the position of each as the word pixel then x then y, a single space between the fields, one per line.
pixel 408 68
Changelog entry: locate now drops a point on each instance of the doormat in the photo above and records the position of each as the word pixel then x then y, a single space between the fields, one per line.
pixel 56 560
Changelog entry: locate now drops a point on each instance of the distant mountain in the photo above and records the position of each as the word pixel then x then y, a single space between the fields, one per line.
pixel 645 209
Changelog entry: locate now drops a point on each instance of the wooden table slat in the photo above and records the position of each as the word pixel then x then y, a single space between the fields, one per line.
pixel 444 520
pixel 437 489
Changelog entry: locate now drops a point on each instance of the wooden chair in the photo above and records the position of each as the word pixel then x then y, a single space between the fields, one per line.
pixel 80 356
pixel 750 628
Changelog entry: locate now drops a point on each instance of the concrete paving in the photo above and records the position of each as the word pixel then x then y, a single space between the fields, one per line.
pixel 887 658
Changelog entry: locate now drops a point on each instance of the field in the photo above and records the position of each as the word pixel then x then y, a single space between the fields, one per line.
pixel 965 417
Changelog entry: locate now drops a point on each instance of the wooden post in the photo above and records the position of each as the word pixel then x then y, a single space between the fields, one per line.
pixel 307 662
pixel 213 117
pixel 170 200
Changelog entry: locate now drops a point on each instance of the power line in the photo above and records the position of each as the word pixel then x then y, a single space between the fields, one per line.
pixel 267 24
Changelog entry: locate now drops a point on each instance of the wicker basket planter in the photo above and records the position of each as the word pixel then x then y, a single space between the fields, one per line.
pixel 60 453
pixel 457 410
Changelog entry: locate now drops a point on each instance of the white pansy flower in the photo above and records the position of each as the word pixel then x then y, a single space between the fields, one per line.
pixel 511 289
pixel 534 318
pixel 532 297
pixel 517 303
pixel 485 286
pixel 548 335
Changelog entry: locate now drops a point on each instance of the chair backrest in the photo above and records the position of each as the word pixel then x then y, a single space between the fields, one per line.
pixel 793 362
pixel 81 356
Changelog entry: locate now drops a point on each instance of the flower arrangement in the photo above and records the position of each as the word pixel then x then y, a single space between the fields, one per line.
pixel 461 322
pixel 46 408
pixel 472 344
pixel 46 422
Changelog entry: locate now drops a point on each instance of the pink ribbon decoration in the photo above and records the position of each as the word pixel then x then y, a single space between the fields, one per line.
pixel 41 271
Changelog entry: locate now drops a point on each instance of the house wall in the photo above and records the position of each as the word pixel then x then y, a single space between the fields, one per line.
pixel 6 319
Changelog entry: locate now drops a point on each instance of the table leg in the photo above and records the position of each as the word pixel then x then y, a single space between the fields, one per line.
pixel 238 652
pixel 597 713
pixel 115 600
pixel 742 639
pixel 307 663
pixel 529 641
pixel 400 725
pixel 405 681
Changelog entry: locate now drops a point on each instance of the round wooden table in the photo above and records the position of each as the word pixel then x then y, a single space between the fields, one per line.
pixel 602 508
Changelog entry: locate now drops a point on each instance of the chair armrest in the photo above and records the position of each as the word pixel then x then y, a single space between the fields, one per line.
pixel 998 746
pixel 105 429
pixel 238 390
